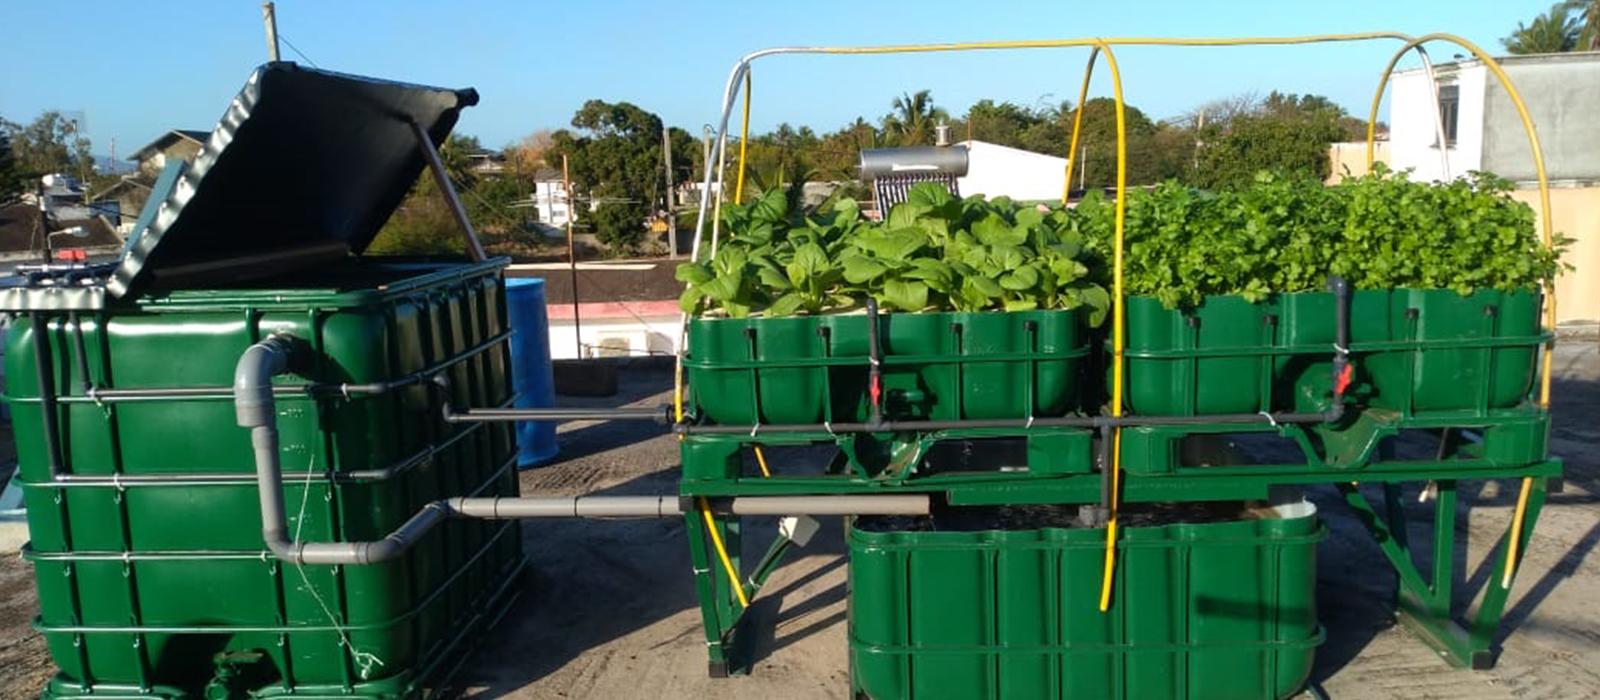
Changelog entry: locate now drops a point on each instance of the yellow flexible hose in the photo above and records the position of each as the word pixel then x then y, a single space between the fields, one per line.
pixel 744 140
pixel 1547 231
pixel 1077 123
pixel 722 554
pixel 1116 322
pixel 1098 45
pixel 761 461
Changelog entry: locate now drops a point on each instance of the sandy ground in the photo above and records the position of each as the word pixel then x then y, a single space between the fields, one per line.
pixel 608 609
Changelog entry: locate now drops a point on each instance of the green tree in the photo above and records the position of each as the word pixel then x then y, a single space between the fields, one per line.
pixel 51 144
pixel 1001 123
pixel 912 121
pixel 1589 16
pixel 12 180
pixel 1095 165
pixel 1252 143
pixel 1554 31
pixel 614 157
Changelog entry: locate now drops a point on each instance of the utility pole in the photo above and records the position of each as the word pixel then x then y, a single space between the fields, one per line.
pixel 1083 166
pixel 572 257
pixel 44 222
pixel 705 157
pixel 672 217
pixel 269 15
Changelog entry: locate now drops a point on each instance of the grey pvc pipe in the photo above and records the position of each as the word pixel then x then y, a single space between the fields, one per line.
pixel 253 403
pixel 508 508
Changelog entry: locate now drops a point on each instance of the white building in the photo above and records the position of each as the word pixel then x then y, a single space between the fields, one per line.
pixel 1483 131
pixel 550 198
pixel 994 171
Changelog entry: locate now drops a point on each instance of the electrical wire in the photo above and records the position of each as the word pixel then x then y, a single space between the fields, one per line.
pixel 297 50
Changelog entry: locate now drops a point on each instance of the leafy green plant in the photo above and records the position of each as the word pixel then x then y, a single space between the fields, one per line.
pixel 933 251
pixel 1380 231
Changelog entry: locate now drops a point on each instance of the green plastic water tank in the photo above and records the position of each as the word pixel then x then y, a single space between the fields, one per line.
pixel 1199 611
pixel 140 487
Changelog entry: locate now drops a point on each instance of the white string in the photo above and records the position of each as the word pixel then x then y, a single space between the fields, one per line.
pixel 364 661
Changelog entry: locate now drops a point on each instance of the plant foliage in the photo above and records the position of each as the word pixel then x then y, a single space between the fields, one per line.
pixel 1380 231
pixel 933 251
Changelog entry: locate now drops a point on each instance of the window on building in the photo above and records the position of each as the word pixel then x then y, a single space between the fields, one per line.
pixel 1449 109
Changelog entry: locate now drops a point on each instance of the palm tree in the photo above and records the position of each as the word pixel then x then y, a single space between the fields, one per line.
pixel 1589 16
pixel 913 118
pixel 1555 31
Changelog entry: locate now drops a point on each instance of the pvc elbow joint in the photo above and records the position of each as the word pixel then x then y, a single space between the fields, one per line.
pixel 252 378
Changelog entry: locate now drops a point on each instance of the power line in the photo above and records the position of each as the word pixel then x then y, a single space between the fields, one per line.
pixel 297 50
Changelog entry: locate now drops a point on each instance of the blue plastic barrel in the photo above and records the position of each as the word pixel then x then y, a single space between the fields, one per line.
pixel 530 368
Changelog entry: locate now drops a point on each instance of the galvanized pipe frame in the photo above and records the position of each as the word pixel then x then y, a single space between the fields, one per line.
pixel 47 400
pixel 312 391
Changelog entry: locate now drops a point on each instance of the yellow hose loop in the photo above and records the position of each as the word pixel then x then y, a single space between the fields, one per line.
pixel 1547 231
pixel 761 461
pixel 744 140
pixel 722 554
pixel 1116 322
pixel 1077 123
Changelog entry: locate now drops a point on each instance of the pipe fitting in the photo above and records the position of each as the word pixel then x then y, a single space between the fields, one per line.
pixel 252 378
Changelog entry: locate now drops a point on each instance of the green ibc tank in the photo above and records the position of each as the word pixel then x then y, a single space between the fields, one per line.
pixel 143 511
pixel 1221 610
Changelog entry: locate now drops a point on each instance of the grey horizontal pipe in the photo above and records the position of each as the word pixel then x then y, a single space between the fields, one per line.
pixel 888 504
pixel 659 414
pixel 253 404
pixel 508 508
pixel 891 426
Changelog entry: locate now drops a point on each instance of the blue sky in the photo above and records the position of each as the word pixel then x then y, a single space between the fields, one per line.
pixel 139 68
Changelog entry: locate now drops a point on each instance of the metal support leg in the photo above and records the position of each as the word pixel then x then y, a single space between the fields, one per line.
pixel 1494 599
pixel 721 612
pixel 1423 606
pixel 705 578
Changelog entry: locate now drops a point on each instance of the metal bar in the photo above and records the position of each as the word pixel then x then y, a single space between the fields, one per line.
pixel 1444 540
pixel 1494 599
pixel 82 353
pixel 706 593
pixel 572 258
pixel 768 563
pixel 659 414
pixel 441 177
pixel 106 396
pixel 889 426
pixel 47 394
pixel 1394 510
pixel 1405 569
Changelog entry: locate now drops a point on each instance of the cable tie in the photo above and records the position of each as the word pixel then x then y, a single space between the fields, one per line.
pixel 1342 350
pixel 1030 422
pixel 344 389
pixel 829 427
pixel 1268 416
pixel 116 481
pixel 755 428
